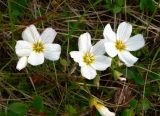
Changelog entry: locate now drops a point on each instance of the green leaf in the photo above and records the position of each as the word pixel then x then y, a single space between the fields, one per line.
pixel 108 5
pixel 2 113
pixel 16 13
pixel 23 2
pixel 108 2
pixel 145 104
pixel 120 2
pixel 38 103
pixel 127 112
pixel 154 76
pixel 70 109
pixel 116 9
pixel 19 109
pixel 135 76
pixel 10 113
pixel 148 4
pixel 133 103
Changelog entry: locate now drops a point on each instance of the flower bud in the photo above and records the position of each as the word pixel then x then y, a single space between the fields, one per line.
pixel 22 63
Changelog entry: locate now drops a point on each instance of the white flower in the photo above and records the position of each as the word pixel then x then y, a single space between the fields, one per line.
pixel 103 110
pixel 35 47
pixel 121 43
pixel 90 58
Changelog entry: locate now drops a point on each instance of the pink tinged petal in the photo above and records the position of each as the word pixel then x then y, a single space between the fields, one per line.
pixel 108 33
pixel 134 43
pixel 88 72
pixel 30 34
pixel 124 31
pixel 101 63
pixel 77 57
pixel 36 58
pixel 52 51
pixel 23 48
pixel 104 110
pixel 84 42
pixel 22 63
pixel 127 58
pixel 98 48
pixel 111 49
pixel 48 35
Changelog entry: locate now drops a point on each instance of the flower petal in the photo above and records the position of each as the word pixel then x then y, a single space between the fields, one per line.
pixel 98 48
pixel 84 42
pixel 134 43
pixel 36 58
pixel 101 63
pixel 122 79
pixel 127 58
pixel 108 33
pixel 30 34
pixel 23 48
pixel 77 57
pixel 22 63
pixel 104 110
pixel 48 35
pixel 52 51
pixel 88 72
pixel 124 31
pixel 111 49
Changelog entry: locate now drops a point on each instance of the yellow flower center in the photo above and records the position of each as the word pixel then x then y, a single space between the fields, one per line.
pixel 88 58
pixel 38 47
pixel 120 45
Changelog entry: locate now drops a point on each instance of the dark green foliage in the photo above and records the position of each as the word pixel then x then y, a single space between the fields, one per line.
pixel 17 8
pixel 147 4
pixel 70 110
pixel 145 104
pixel 114 6
pixel 134 75
pixel 127 112
pixel 133 103
pixel 38 103
pixel 17 109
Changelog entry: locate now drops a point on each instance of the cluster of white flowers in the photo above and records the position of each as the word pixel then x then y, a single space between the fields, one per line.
pixel 91 58
pixel 35 47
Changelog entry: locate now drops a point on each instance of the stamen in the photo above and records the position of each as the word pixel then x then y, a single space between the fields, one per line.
pixel 88 58
pixel 38 47
pixel 120 45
